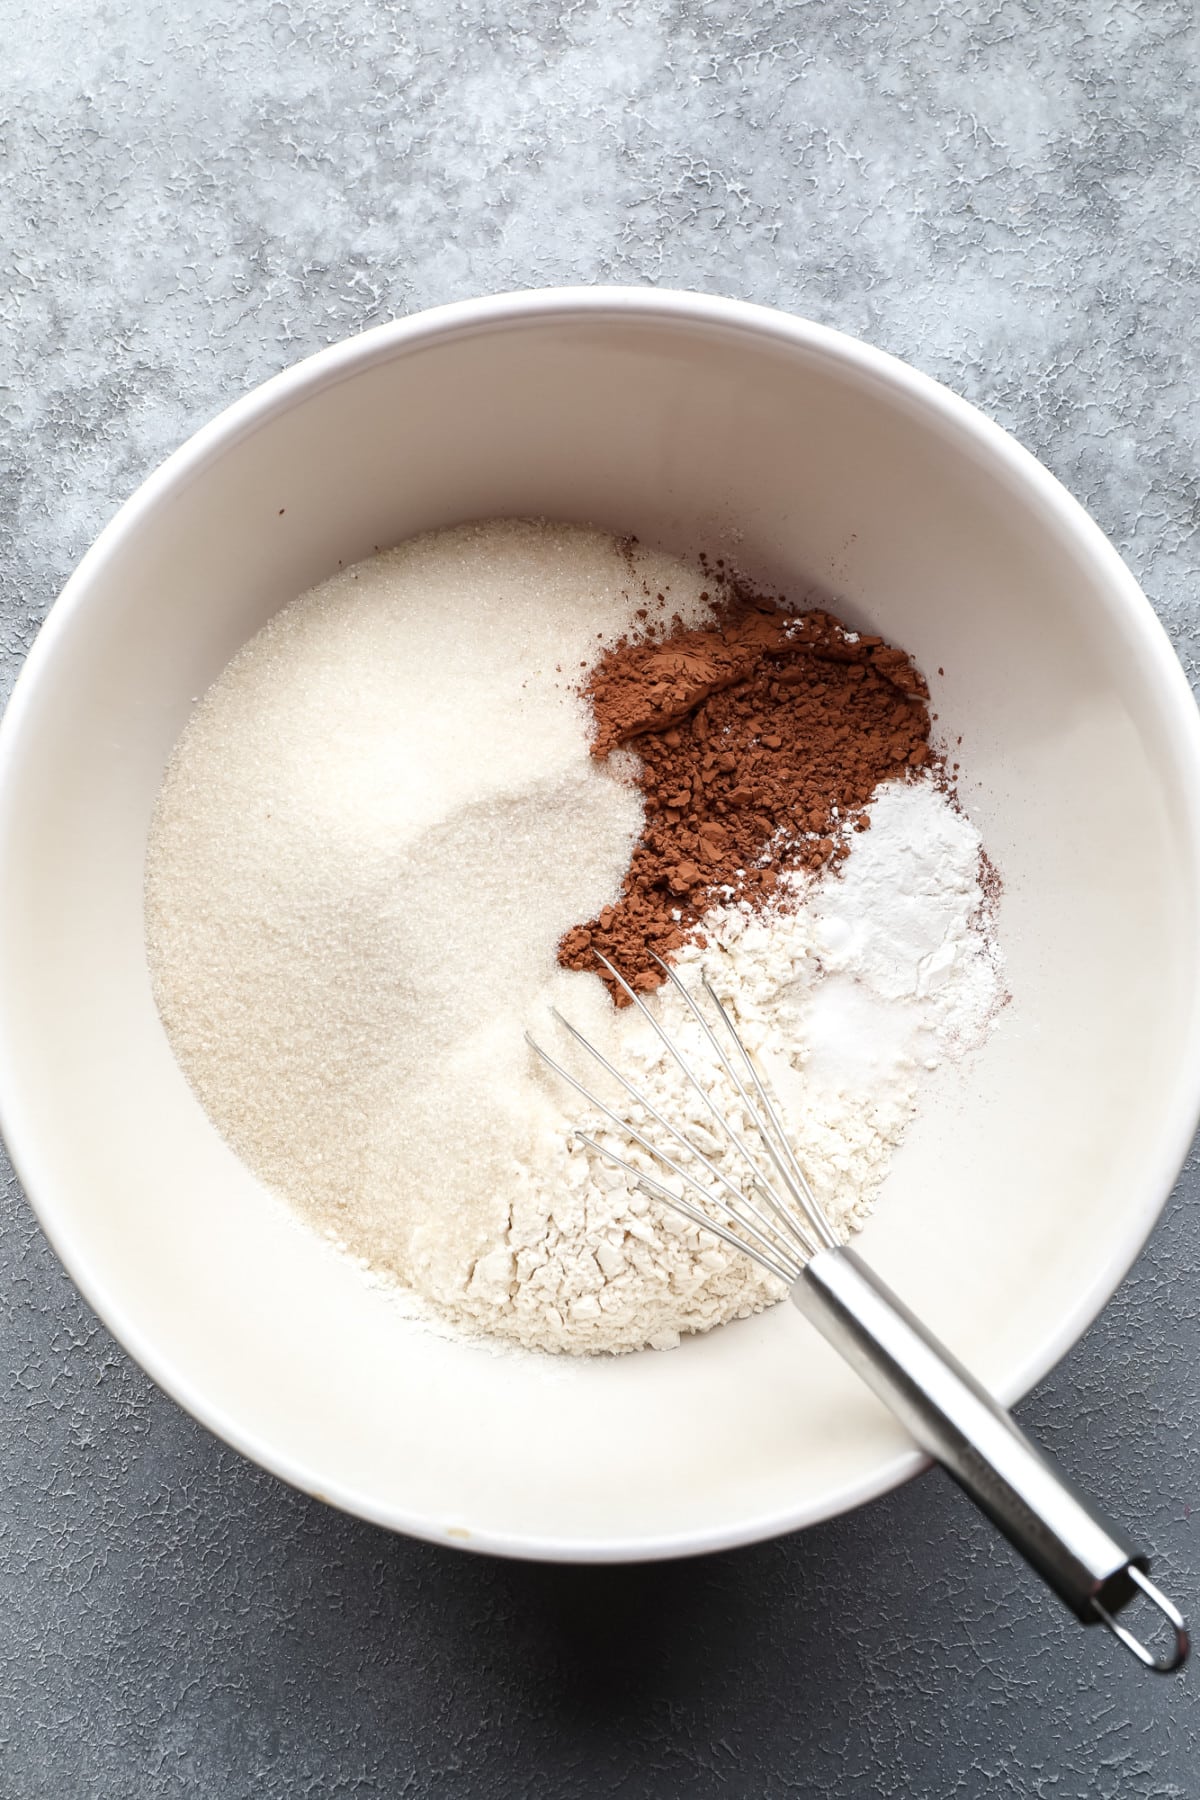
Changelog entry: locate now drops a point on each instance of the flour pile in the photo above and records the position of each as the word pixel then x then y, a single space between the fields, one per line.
pixel 371 839
pixel 849 993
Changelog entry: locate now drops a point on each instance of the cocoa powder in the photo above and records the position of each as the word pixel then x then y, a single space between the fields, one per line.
pixel 760 740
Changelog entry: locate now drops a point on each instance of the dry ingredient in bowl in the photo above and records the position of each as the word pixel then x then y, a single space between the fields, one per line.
pixel 397 803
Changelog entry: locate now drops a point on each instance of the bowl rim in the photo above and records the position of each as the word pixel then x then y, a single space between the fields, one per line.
pixel 1179 721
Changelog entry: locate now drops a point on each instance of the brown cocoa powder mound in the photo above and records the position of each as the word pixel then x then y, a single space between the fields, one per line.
pixel 761 738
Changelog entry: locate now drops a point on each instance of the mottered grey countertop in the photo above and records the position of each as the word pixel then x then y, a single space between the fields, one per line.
pixel 193 195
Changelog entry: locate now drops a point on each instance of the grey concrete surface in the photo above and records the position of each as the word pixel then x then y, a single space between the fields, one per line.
pixel 193 195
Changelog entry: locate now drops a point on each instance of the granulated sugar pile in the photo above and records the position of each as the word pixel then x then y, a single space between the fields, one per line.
pixel 374 851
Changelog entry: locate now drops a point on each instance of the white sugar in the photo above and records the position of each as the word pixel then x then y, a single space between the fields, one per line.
pixel 370 838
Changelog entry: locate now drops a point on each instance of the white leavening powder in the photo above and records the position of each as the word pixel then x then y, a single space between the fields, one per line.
pixel 370 838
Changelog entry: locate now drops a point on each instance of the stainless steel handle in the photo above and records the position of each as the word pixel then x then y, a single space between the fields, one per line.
pixel 1089 1564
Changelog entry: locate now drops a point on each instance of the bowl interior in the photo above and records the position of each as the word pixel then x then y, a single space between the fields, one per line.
pixel 1019 1198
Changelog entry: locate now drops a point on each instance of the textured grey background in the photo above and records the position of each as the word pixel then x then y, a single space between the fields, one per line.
pixel 196 194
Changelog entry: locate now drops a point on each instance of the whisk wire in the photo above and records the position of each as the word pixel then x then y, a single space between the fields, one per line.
pixel 788 1273
pixel 675 1133
pixel 799 1183
pixel 766 1245
pixel 791 1224
pixel 783 1214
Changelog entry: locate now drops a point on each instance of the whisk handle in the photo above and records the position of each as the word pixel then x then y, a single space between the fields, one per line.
pixel 1088 1563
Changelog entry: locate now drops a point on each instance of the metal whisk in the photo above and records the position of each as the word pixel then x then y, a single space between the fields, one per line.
pixel 774 1218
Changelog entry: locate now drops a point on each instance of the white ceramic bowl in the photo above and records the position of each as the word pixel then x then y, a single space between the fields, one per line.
pixel 1018 1203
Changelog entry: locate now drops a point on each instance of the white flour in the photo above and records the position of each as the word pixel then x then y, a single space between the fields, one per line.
pixel 848 1002
pixel 369 840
